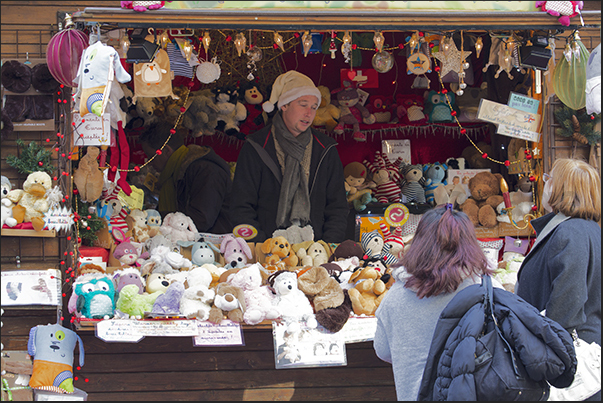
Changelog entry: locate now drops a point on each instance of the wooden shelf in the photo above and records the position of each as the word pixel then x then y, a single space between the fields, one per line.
pixel 29 233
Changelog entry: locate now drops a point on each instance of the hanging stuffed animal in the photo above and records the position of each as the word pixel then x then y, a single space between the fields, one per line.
pixel 51 347
pixel 562 9
pixel 154 78
pixel 99 66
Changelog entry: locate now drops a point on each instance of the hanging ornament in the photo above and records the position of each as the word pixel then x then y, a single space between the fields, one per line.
pixel 307 42
pixel 164 39
pixel 206 41
pixel 346 48
pixel 255 55
pixel 278 40
pixel 382 61
pixel 332 46
pixel 124 43
pixel 379 40
pixel 240 43
pixel 479 45
pixel 64 52
pixel 208 71
pixel 445 45
pixel 187 48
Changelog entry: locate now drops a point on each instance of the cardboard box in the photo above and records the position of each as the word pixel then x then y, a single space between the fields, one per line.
pixel 78 395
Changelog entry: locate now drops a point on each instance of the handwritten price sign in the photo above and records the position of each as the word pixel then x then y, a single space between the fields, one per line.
pixel 396 214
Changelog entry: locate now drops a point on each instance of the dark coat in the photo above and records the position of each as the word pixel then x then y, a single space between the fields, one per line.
pixel 257 188
pixel 544 348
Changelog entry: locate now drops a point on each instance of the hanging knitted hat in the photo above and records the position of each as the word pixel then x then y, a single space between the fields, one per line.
pixel 42 80
pixel 288 87
pixel 16 76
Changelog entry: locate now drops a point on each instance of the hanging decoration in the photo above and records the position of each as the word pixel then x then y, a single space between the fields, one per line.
pixel 379 40
pixel 206 41
pixel 382 61
pixel 64 52
pixel 479 45
pixel 569 77
pixel 418 60
pixel 346 47
pixel 307 42
pixel 255 55
pixel 187 49
pixel 240 43
pixel 332 45
pixel 278 41
pixel 208 71
pixel 578 125
pixel 124 43
pixel 164 39
pixel 450 57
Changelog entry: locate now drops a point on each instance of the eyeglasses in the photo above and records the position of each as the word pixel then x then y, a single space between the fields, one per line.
pixel 546 177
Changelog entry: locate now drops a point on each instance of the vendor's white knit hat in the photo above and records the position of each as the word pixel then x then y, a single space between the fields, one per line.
pixel 288 87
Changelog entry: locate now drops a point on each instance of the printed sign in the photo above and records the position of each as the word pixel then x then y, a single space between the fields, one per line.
pixel 91 130
pixel 31 287
pixel 500 114
pixel 359 329
pixel 126 330
pixel 523 103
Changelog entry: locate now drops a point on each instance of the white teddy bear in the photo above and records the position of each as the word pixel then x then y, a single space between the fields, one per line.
pixel 7 205
pixel 291 302
pixel 195 302
pixel 258 297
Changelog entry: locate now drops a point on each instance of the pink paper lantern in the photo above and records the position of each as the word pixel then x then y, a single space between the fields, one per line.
pixel 64 52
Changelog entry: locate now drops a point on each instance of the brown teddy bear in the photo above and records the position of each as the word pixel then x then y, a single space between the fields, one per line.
pixel 327 113
pixel 368 291
pixel 485 197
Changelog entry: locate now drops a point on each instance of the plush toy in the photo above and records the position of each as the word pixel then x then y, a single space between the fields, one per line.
pixel 201 252
pixel 230 111
pixel 133 304
pixel 332 305
pixel 514 253
pixel 295 234
pixel 236 251
pixel 382 107
pixel 128 254
pixel 393 239
pixel 157 262
pixel 178 226
pixel 150 110
pixel 99 66
pixel 485 197
pixel 258 297
pixel 229 302
pixel 435 182
pixel 474 159
pixel 128 275
pixel 96 298
pixel 522 202
pixel 252 98
pixel 7 204
pixel 154 221
pixel 156 282
pixel 81 278
pixel 348 248
pixel 352 112
pixel 327 114
pixel 195 302
pixel 168 303
pixel 137 222
pixel 437 108
pixel 374 245
pixel 279 252
pixel 386 176
pixel 312 253
pixel 359 191
pixel 291 302
pixel 31 202
pixel 142 6
pixel 88 178
pixel 153 78
pixel 412 183
pixel 562 9
pixel 201 117
pixel 409 109
pixel 368 290
pixel 51 347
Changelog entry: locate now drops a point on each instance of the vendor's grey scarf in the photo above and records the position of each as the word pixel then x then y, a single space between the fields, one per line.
pixel 294 200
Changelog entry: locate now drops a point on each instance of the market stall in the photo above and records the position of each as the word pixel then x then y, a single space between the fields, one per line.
pixel 419 74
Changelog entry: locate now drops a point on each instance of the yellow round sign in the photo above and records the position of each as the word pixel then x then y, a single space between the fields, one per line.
pixel 396 214
pixel 245 231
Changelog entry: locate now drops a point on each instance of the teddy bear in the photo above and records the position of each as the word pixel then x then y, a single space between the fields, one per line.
pixel 197 298
pixel 359 190
pixel 435 182
pixel 332 305
pixel 291 302
pixel 229 302
pixel 312 253
pixel 109 207
pixel 133 304
pixel 88 178
pixel 386 177
pixel 251 96
pixel 409 109
pixel 7 204
pixel 485 197
pixel 168 303
pixel 201 116
pixel 522 201
pixel 474 159
pixel 382 108
pixel 258 297
pixel 412 183
pixel 327 114
pixel 352 112
pixel 393 239
pixel 236 251
pixel 279 252
pixel 31 202
pixel 374 246
pixel 437 107
pixel 137 222
pixel 230 111
pixel 368 290
pixel 178 226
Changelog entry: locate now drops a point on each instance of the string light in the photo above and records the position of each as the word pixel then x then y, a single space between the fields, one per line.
pixel 379 40
pixel 278 40
pixel 164 39
pixel 124 43
pixel 479 45
pixel 346 47
pixel 206 41
pixel 187 48
pixel 240 43
pixel 332 46
pixel 307 42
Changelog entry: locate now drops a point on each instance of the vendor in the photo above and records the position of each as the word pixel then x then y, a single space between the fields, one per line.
pixel 193 179
pixel 289 173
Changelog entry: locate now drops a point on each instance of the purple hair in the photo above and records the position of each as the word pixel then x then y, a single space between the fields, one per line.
pixel 443 252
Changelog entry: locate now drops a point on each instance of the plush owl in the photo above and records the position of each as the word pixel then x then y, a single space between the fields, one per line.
pixel 153 221
pixel 437 108
pixel 51 347
pixel 96 298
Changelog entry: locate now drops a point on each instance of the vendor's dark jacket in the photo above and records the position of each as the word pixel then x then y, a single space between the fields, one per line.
pixel 204 187
pixel 257 187
pixel 544 348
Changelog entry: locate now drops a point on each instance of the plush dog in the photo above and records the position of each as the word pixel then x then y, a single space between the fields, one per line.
pixel 278 251
pixel 368 290
pixel 236 251
pixel 229 302
pixel 195 303
pixel 312 253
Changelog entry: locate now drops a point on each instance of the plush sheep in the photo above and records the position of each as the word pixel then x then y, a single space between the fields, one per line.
pixel 178 226
pixel 197 297
pixel 169 302
pixel 7 205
